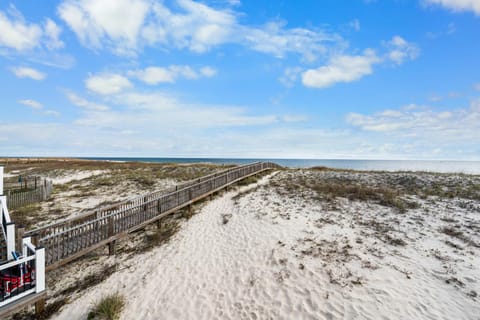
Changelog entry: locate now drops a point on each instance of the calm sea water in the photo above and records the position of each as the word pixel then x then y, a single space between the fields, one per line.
pixel 472 167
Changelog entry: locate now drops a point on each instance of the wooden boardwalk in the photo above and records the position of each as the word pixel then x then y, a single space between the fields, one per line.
pixel 72 238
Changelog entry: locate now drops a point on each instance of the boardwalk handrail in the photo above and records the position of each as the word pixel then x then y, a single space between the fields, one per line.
pixel 123 205
pixel 71 238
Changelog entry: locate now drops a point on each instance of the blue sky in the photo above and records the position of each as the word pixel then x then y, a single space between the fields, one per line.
pixel 230 78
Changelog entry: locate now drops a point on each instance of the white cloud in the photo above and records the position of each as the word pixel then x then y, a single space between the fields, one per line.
pixel 274 39
pixel 341 68
pixel 155 75
pixel 457 5
pixel 125 27
pixel 24 72
pixel 152 101
pixel 294 118
pixel 420 121
pixel 400 50
pixel 31 103
pixel 290 76
pixel 195 26
pixel 38 106
pixel 476 86
pixel 417 132
pixel 52 32
pixel 20 35
pixel 162 124
pixel 234 2
pixel 208 72
pixel 354 24
pixel 348 68
pixel 51 113
pixel 88 105
pixel 116 22
pixel 159 112
pixel 449 30
pixel 107 83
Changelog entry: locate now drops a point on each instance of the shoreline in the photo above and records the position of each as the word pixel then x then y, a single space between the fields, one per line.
pixel 468 167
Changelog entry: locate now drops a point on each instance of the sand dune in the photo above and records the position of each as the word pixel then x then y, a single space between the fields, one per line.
pixel 254 253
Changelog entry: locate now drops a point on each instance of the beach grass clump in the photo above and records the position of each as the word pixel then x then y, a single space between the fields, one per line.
pixel 452 231
pixel 108 308
pixel 104 181
pixel 455 232
pixel 384 196
pixel 145 182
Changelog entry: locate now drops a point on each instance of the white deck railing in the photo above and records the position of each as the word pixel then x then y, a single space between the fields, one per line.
pixel 8 228
pixel 24 273
pixel 24 276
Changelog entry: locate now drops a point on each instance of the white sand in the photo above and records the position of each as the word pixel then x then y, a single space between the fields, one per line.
pixel 72 175
pixel 291 258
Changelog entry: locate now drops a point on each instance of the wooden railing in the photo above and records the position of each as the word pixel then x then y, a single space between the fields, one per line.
pixel 69 239
pixel 21 197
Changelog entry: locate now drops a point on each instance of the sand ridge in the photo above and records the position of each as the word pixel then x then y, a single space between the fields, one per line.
pixel 255 254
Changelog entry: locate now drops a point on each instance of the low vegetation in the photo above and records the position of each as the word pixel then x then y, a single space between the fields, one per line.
pixel 384 196
pixel 247 181
pixel 399 190
pixel 24 216
pixel 108 308
pixel 132 170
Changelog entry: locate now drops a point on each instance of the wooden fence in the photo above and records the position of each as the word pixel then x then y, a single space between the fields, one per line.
pixel 72 238
pixel 26 182
pixel 20 197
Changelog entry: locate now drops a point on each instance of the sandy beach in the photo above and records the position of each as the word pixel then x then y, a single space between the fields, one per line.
pixel 296 244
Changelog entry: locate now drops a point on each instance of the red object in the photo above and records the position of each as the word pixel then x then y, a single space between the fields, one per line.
pixel 16 279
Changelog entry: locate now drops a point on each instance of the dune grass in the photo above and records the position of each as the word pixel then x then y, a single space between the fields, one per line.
pixel 108 308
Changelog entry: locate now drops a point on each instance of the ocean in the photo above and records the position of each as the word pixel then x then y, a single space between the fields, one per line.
pixel 444 166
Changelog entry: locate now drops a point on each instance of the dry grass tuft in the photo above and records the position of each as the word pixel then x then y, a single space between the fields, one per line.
pixel 25 215
pixel 108 308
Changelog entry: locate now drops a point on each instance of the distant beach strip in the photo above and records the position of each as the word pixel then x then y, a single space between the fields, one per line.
pixel 443 166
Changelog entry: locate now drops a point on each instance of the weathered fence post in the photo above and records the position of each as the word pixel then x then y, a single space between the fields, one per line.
pixel 111 245
pixel 34 239
pixel 20 233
